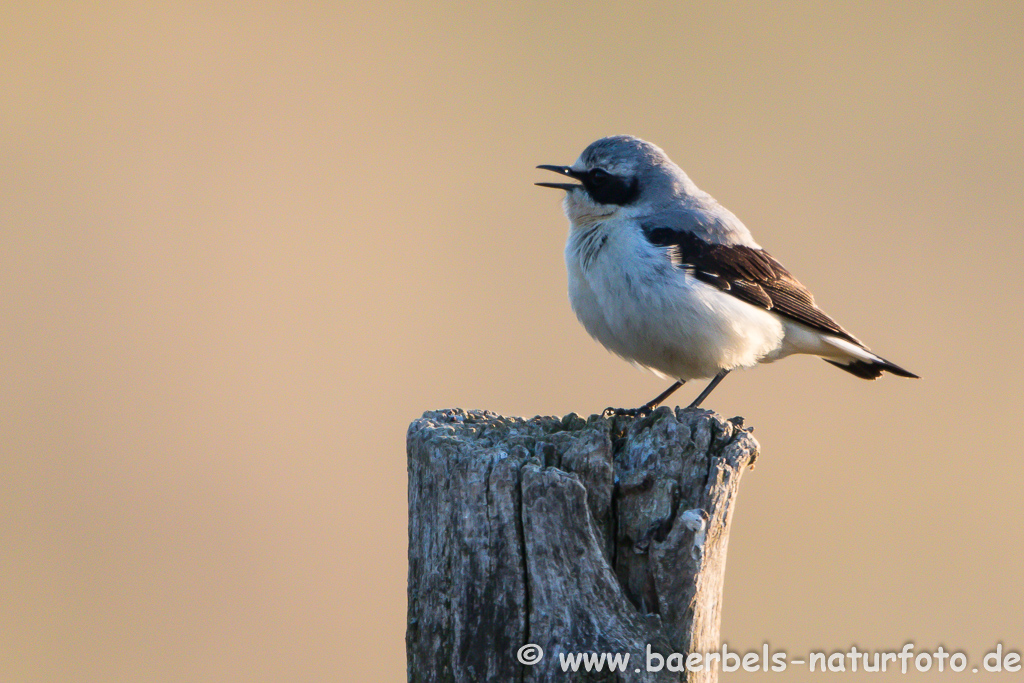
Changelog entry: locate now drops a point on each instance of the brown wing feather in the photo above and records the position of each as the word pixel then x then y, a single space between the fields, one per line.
pixel 750 274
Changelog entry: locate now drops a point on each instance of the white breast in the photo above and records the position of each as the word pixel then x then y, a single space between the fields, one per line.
pixel 630 298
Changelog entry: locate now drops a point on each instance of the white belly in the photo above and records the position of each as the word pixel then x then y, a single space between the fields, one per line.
pixel 632 300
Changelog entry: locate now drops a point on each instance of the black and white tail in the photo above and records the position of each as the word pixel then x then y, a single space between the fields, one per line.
pixel 859 361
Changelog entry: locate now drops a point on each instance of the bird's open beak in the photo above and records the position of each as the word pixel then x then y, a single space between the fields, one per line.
pixel 564 170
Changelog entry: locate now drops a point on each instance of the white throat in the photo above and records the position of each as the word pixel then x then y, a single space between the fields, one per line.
pixel 584 212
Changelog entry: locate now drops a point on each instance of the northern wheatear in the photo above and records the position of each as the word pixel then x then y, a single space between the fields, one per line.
pixel 666 277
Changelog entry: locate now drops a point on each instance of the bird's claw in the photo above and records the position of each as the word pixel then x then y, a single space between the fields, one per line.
pixel 642 411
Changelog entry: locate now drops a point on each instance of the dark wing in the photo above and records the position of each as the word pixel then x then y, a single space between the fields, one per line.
pixel 747 273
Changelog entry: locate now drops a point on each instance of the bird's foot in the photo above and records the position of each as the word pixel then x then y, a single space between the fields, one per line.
pixel 643 411
pixel 647 408
pixel 624 412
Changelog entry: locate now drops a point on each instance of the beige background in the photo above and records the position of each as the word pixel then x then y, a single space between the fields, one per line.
pixel 242 248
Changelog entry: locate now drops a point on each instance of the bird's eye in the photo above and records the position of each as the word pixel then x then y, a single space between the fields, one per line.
pixel 599 175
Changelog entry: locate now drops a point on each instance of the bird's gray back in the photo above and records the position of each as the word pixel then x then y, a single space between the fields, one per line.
pixel 707 219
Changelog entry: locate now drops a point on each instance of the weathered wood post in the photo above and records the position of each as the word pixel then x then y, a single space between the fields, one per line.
pixel 603 535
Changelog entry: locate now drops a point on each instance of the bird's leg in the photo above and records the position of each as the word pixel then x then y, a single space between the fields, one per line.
pixel 647 407
pixel 657 400
pixel 708 389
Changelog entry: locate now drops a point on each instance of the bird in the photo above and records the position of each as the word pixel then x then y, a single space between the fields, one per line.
pixel 664 276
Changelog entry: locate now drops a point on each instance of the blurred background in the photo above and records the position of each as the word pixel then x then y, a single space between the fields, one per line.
pixel 242 247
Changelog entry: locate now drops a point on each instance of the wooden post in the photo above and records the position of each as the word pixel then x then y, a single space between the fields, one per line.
pixel 605 535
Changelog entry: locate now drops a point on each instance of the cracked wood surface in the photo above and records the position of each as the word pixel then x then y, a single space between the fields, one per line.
pixel 597 535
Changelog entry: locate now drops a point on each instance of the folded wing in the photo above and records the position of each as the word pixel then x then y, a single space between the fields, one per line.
pixel 748 273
